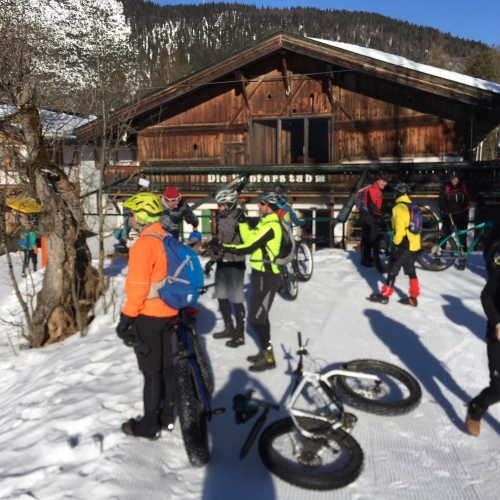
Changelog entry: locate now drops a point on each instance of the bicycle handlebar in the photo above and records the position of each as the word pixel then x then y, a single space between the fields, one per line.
pixel 299 335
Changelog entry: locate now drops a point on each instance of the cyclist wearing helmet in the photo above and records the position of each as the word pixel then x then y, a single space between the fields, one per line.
pixel 405 247
pixel 230 270
pixel 370 211
pixel 175 209
pixel 454 200
pixel 146 322
pixel 263 243
pixel 490 300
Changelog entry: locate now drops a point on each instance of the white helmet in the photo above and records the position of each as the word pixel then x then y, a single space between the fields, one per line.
pixel 227 197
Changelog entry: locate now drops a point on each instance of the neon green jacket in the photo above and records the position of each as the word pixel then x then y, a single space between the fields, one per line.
pixel 263 243
pixel 400 223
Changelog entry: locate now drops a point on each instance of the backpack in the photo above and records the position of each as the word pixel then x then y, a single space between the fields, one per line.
pixel 360 198
pixel 287 249
pixel 24 241
pixel 185 277
pixel 416 219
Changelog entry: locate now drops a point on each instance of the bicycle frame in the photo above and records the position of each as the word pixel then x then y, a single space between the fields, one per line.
pixel 459 232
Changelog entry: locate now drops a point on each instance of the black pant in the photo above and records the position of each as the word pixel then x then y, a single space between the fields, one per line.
pixel 264 288
pixel 156 366
pixel 461 221
pixel 401 257
pixel 491 394
pixel 368 234
pixel 28 255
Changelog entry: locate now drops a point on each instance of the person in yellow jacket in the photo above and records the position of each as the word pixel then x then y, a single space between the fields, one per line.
pixel 405 247
pixel 146 322
pixel 262 240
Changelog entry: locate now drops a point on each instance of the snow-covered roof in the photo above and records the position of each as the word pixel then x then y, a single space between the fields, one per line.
pixel 423 68
pixel 54 123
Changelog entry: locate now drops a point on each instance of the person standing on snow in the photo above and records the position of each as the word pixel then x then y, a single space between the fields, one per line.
pixel 29 249
pixel 490 300
pixel 370 211
pixel 404 252
pixel 175 209
pixel 146 322
pixel 454 204
pixel 230 270
pixel 263 243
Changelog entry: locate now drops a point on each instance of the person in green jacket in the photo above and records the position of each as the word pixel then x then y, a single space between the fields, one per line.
pixel 404 252
pixel 29 249
pixel 261 239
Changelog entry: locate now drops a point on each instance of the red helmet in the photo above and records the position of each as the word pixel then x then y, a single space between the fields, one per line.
pixel 172 194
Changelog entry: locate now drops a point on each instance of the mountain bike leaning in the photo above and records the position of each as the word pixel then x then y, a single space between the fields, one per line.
pixel 382 245
pixel 439 251
pixel 313 448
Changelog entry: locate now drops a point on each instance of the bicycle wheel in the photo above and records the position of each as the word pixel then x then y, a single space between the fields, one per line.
pixel 304 260
pixel 191 413
pixel 205 371
pixel 491 252
pixel 381 251
pixel 436 258
pixel 398 393
pixel 289 284
pixel 333 460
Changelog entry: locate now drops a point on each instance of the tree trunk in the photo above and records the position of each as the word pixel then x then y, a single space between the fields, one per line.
pixel 70 284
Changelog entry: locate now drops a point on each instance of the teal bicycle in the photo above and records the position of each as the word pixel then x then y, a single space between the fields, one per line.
pixel 439 250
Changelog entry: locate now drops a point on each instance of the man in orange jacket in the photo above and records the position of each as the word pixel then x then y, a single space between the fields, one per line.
pixel 146 322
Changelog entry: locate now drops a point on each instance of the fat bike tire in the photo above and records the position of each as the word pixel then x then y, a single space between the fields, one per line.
pixel 289 285
pixel 302 462
pixel 399 392
pixel 191 413
pixel 305 262
pixel 381 251
pixel 429 259
pixel 206 374
pixel 491 252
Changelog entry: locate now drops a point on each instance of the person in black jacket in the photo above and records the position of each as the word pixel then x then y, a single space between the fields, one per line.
pixel 454 204
pixel 175 210
pixel 490 300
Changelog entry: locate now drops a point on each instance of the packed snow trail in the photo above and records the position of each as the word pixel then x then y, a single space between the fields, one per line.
pixel 62 406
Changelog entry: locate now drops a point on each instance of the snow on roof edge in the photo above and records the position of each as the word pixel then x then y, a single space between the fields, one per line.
pixel 423 68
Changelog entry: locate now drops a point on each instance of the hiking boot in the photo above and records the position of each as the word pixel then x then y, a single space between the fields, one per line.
pixel 228 331
pixel 409 301
pixel 265 362
pixel 366 263
pixel 461 265
pixel 139 428
pixel 255 357
pixel 167 417
pixel 239 337
pixel 378 297
pixel 473 426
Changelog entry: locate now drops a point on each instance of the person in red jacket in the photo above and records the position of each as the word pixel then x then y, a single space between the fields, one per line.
pixel 370 211
pixel 146 322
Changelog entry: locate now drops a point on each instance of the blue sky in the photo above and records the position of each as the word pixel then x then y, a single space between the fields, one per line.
pixel 470 19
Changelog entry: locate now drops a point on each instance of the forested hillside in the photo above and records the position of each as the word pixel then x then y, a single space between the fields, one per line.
pixel 174 40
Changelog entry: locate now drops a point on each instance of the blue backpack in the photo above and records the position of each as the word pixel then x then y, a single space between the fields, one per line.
pixel 185 277
pixel 360 198
pixel 416 219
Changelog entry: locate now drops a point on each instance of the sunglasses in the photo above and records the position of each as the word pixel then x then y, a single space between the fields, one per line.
pixel 174 200
pixel 262 203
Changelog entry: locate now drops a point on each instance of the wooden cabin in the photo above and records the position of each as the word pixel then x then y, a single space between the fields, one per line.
pixel 314 115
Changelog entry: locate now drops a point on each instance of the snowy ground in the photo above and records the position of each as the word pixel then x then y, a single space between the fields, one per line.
pixel 61 407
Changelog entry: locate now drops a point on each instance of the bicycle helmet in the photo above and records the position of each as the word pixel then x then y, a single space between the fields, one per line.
pixel 454 173
pixel 401 188
pixel 271 198
pixel 147 206
pixel 382 175
pixel 227 197
pixel 279 189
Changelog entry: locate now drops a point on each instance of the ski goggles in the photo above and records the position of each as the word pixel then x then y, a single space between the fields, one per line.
pixel 173 200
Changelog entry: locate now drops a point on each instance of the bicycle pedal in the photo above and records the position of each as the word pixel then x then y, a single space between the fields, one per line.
pixel 348 421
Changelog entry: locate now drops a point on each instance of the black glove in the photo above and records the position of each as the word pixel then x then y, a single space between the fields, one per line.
pixel 240 215
pixel 385 217
pixel 215 245
pixel 124 329
pixel 208 266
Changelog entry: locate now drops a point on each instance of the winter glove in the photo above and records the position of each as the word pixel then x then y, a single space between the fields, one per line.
pixel 125 331
pixel 208 267
pixel 215 245
pixel 385 218
pixel 240 215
